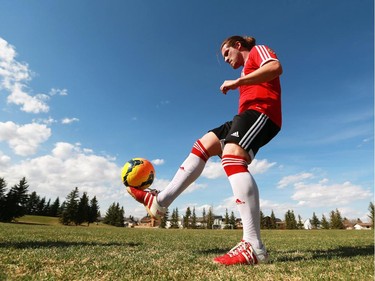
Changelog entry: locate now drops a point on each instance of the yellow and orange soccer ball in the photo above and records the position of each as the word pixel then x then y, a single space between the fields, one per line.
pixel 138 173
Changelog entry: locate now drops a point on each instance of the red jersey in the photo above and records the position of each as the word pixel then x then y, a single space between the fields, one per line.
pixel 264 97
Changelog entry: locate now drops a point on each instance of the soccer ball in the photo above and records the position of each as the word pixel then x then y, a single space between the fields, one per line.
pixel 138 173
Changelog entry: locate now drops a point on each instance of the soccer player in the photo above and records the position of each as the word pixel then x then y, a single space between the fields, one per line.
pixel 236 142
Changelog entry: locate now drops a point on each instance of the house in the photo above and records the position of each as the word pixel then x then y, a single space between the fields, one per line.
pixel 147 221
pixel 218 222
pixel 361 226
pixel 307 224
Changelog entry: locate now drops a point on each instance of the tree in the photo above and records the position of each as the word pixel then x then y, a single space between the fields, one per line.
pixel 54 210
pixel 187 217
pixel 226 220
pixel 204 216
pixel 93 211
pixel 273 221
pixel 174 218
pixel 336 220
pixel 262 221
pixel 267 222
pixel 3 186
pixel 194 219
pixel 232 220
pixel 115 215
pixel 315 221
pixel 324 224
pixel 371 215
pixel 164 219
pixel 41 206
pixel 300 223
pixel 290 220
pixel 83 209
pixel 210 218
pixel 70 211
pixel 15 201
pixel 32 204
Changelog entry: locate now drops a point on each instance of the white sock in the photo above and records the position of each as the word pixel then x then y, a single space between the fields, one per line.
pixel 246 195
pixel 188 172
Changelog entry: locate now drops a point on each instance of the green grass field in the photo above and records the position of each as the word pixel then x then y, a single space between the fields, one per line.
pixel 44 250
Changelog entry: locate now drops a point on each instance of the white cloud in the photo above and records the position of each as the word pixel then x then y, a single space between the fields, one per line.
pixel 24 140
pixel 260 166
pixel 213 170
pixel 30 104
pixel 14 77
pixel 324 194
pixel 47 121
pixel 4 160
pixel 157 162
pixel 292 179
pixel 69 120
pixel 60 92
pixel 68 166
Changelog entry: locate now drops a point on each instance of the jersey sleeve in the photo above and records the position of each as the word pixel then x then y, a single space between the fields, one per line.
pixel 262 54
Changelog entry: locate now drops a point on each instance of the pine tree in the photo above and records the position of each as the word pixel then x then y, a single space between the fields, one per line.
pixel 164 219
pixel 210 218
pixel 15 201
pixel 314 221
pixel 41 206
pixel 232 220
pixel 336 220
pixel 371 210
pixel 3 186
pixel 204 217
pixel 110 216
pixel 226 220
pixel 93 211
pixel 121 217
pixel 267 222
pixel 32 204
pixel 262 220
pixel 47 208
pixel 324 223
pixel 187 217
pixel 70 211
pixel 273 224
pixel 83 209
pixel 54 210
pixel 174 218
pixel 290 220
pixel 115 215
pixel 194 219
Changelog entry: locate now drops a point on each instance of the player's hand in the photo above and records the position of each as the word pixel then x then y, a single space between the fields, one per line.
pixel 228 85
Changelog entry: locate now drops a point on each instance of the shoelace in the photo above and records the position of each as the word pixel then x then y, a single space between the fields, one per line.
pixel 238 248
pixel 153 191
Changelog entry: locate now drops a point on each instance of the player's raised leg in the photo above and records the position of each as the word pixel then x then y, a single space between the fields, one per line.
pixel 188 172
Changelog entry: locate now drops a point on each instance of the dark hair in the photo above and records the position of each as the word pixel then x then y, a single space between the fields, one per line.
pixel 247 42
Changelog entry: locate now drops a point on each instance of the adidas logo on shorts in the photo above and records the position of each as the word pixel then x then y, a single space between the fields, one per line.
pixel 236 134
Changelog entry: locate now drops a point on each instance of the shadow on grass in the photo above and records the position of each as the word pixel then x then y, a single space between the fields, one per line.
pixel 340 252
pixel 60 244
pixel 31 223
pixel 281 256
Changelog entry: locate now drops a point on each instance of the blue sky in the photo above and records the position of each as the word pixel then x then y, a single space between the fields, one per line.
pixel 87 85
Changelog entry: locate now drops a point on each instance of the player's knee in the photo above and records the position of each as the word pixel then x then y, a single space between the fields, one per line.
pixel 212 144
pixel 235 149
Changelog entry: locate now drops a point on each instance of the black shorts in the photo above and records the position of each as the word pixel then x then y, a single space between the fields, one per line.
pixel 251 130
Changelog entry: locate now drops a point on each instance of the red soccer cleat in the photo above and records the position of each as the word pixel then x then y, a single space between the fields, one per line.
pixel 148 199
pixel 243 253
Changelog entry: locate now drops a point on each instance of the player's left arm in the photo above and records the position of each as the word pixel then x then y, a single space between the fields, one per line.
pixel 269 71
